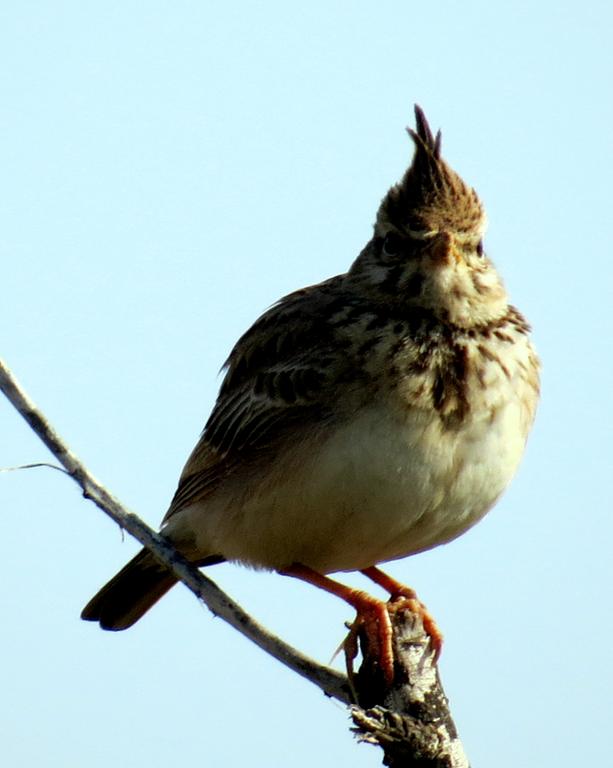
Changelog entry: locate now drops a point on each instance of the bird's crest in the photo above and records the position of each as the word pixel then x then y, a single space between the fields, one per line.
pixel 431 195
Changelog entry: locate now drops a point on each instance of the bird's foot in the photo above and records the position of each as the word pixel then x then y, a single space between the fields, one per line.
pixel 405 598
pixel 373 624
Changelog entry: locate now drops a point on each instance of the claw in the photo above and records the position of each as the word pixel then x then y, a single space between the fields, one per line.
pixel 403 597
pixel 373 616
pixel 374 621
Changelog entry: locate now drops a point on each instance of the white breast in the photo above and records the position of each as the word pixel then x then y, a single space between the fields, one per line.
pixel 388 483
pixel 376 490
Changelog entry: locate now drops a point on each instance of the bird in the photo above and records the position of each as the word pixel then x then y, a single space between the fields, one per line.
pixel 361 420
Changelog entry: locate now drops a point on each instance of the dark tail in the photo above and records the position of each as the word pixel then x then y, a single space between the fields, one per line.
pixel 129 594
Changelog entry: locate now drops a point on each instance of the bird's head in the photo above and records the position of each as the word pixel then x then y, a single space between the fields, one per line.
pixel 427 248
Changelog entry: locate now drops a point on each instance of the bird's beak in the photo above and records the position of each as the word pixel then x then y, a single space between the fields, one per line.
pixel 445 250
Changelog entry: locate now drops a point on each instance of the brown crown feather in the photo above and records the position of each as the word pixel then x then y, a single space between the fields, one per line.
pixel 431 195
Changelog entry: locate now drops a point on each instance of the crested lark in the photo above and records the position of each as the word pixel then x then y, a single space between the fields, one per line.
pixel 367 418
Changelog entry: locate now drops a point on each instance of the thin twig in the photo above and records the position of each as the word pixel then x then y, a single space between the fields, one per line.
pixel 330 681
pixel 35 465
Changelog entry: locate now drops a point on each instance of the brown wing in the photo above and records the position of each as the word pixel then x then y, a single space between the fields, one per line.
pixel 282 371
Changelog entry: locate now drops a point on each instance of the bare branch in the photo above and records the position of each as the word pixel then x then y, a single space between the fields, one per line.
pixel 409 720
pixel 330 681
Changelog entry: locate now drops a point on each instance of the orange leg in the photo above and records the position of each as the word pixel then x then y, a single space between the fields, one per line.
pixel 402 596
pixel 372 615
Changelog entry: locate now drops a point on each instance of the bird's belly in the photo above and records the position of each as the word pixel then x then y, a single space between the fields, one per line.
pixel 379 488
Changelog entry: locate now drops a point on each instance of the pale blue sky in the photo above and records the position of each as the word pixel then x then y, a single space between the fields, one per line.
pixel 168 170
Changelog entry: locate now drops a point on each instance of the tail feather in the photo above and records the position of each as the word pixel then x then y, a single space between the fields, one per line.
pixel 130 593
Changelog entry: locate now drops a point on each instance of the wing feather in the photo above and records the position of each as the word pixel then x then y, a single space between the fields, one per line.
pixel 281 372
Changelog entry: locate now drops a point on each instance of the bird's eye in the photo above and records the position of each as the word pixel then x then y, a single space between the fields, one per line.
pixel 392 244
pixel 480 250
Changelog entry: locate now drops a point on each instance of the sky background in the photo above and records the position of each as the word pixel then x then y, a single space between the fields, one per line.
pixel 168 170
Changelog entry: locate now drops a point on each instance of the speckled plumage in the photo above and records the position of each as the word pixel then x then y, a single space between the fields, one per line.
pixel 372 416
